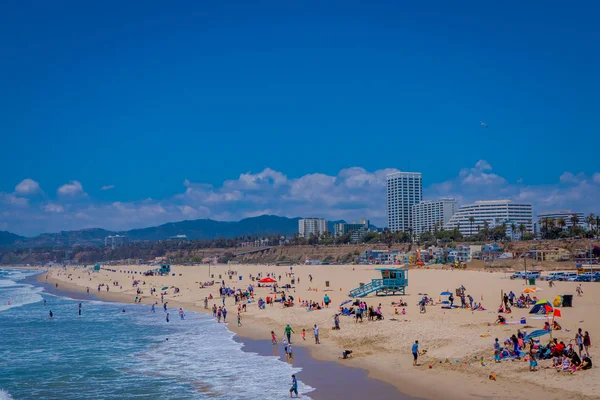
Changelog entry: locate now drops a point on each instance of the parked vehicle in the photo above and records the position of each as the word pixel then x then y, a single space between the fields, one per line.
pixel 554 276
pixel 568 276
pixel 587 277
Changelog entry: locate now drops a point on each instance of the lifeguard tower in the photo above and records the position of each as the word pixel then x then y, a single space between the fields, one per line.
pixel 392 281
pixel 165 269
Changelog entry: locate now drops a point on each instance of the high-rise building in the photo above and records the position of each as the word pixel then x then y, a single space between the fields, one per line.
pixel 471 218
pixel 566 215
pixel 114 242
pixel 429 215
pixel 316 226
pixel 404 189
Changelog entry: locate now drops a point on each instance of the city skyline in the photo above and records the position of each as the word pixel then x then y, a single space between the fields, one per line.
pixel 350 195
pixel 131 115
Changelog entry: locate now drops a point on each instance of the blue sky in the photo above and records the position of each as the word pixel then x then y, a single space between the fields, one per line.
pixel 169 109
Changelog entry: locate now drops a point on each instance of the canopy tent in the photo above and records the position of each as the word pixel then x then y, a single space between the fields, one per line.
pixel 541 307
pixel 267 280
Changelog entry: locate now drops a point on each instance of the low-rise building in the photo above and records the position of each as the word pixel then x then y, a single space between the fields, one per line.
pixel 357 231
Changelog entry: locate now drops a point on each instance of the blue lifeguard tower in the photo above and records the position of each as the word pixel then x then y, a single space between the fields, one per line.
pixel 392 281
pixel 165 269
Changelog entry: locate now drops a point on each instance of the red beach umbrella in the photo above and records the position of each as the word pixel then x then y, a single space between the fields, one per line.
pixel 267 280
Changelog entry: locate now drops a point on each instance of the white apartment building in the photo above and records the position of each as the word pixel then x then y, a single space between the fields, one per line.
pixel 316 226
pixel 116 241
pixel 493 212
pixel 404 189
pixel 567 215
pixel 426 214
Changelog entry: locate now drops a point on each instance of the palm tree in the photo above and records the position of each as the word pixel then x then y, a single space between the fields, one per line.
pixel 471 221
pixel 590 219
pixel 513 228
pixel 574 221
pixel 561 223
pixel 486 228
pixel 522 229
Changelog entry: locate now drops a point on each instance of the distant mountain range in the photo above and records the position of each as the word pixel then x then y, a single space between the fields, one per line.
pixel 199 229
pixel 195 229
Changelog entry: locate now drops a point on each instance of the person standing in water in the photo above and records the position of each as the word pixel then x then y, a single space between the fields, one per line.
pixel 80 309
pixel 181 314
pixel 165 305
pixel 294 388
pixel 167 318
pixel 44 302
pixel 50 314
pixel 153 309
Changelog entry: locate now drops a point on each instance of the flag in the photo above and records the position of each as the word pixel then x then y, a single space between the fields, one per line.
pixel 557 313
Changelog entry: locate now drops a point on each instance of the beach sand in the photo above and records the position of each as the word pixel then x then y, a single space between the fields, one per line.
pixel 455 340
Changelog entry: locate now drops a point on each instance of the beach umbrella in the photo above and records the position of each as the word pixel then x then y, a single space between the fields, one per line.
pixel 164 288
pixel 538 333
pixel 530 290
pixel 445 294
pixel 267 280
pixel 541 307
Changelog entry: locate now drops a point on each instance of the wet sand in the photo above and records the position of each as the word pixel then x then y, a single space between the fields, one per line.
pixel 330 379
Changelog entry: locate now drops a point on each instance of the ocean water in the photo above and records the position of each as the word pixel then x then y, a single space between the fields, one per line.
pixel 107 354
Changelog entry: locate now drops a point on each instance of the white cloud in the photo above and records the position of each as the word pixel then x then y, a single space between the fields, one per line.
pixel 73 188
pixel 569 177
pixel 54 208
pixel 27 187
pixel 107 187
pixel 11 200
pixel 350 194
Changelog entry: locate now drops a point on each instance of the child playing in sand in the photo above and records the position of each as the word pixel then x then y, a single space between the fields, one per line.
pixel 403 311
pixel 303 334
pixel 273 338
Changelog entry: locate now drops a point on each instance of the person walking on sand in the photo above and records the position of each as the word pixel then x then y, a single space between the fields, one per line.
pixel 224 314
pixel 579 340
pixel 303 334
pixel 273 338
pixel 316 333
pixel 416 353
pixel 587 343
pixel 579 291
pixel 285 347
pixel 239 319
pixel 219 315
pixel 294 388
pixel 288 332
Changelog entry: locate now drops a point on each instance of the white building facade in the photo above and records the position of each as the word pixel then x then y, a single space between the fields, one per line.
pixel 404 189
pixel 494 212
pixel 567 215
pixel 426 214
pixel 316 226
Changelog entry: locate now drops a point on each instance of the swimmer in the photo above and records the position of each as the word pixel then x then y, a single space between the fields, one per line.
pixel 51 314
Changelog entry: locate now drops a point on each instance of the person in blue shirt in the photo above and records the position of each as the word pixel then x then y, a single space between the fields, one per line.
pixel 294 388
pixel 415 351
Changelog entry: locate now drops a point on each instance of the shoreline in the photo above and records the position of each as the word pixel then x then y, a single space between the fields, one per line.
pixel 326 386
pixel 447 380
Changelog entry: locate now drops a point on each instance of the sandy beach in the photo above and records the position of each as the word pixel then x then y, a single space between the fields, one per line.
pixel 456 341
